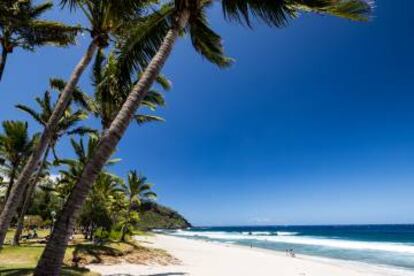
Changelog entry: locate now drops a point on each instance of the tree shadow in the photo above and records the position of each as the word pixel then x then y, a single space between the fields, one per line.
pixel 156 274
pixel 66 271
pixel 16 271
pixel 167 274
pixel 96 251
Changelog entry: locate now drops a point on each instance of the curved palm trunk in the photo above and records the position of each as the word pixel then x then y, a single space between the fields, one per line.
pixel 20 220
pixel 11 181
pixel 64 99
pixel 27 200
pixel 52 257
pixel 3 61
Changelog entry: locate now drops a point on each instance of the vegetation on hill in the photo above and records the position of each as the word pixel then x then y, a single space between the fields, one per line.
pixel 156 216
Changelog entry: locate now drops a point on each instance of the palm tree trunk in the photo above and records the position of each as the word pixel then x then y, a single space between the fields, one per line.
pixel 64 99
pixel 20 225
pixel 27 200
pixel 11 181
pixel 52 257
pixel 3 60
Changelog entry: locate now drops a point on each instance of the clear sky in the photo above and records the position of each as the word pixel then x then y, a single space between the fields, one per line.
pixel 313 124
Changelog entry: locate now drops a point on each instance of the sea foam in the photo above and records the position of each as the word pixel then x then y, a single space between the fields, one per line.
pixel 293 238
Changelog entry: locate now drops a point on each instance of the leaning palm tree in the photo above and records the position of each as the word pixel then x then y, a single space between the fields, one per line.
pixel 67 125
pixel 20 27
pixel 136 190
pixel 186 16
pixel 15 147
pixel 106 17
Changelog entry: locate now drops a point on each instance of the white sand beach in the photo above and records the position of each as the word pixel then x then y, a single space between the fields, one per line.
pixel 201 258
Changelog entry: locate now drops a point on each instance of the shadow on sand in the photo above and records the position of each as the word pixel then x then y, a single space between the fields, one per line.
pixel 156 274
pixel 28 271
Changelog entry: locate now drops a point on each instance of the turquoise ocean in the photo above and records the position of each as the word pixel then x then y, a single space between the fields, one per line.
pixel 386 245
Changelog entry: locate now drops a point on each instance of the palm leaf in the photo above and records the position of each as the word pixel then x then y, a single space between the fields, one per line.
pixel 82 131
pixel 40 9
pixel 142 119
pixel 206 41
pixel 272 12
pixel 79 97
pixel 41 32
pixel 35 115
pixel 357 10
pixel 140 42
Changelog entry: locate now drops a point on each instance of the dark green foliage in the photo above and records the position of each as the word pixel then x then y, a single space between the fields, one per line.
pixel 20 26
pixel 278 12
pixel 111 92
pixel 156 216
pixel 45 200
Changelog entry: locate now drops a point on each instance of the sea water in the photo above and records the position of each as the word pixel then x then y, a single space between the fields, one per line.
pixel 388 245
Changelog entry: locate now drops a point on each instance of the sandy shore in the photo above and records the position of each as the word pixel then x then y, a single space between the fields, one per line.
pixel 201 258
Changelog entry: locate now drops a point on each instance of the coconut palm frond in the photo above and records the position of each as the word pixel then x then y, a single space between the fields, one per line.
pixel 206 42
pixel 142 119
pixel 140 42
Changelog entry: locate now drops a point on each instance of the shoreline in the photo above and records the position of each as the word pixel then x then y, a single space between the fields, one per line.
pixel 325 260
pixel 206 258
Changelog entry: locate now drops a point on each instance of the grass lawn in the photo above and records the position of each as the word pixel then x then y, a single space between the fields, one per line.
pixel 21 260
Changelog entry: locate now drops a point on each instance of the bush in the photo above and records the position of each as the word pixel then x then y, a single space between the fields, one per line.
pixel 101 234
pixel 115 235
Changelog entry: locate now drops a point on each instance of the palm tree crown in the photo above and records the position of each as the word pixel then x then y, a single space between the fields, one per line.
pixel 74 167
pixel 111 92
pixel 137 189
pixel 21 27
pixel 15 147
pixel 67 125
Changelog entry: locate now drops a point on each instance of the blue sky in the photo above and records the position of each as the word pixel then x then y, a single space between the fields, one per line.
pixel 313 124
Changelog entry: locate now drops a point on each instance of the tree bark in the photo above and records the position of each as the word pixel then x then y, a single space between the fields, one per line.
pixel 11 181
pixel 19 227
pixel 27 200
pixel 16 193
pixel 3 61
pixel 52 257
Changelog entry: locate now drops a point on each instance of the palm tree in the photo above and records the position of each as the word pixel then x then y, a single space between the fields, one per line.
pixel 66 126
pixel 106 182
pixel 136 190
pixel 105 18
pixel 70 175
pixel 189 16
pixel 20 27
pixel 98 207
pixel 15 147
pixel 110 93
